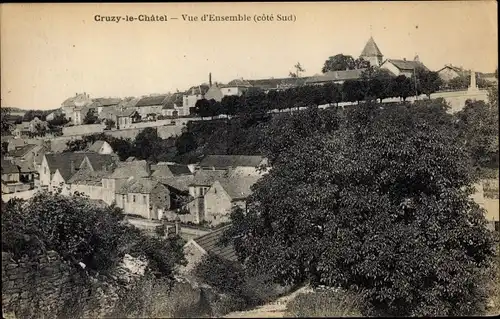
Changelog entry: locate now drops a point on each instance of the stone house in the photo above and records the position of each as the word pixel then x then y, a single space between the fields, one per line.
pixel 225 194
pixel 103 103
pixel 144 197
pixel 77 101
pixel 124 170
pixel 57 169
pixel 402 67
pixel 89 182
pixel 450 72
pixel 151 105
pixel 125 118
pixel 226 169
pixel 101 147
pixel 196 248
pixel 174 106
pixel 17 178
pixel 236 87
pixel 194 94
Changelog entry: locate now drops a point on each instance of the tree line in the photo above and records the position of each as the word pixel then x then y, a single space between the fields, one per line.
pixel 373 84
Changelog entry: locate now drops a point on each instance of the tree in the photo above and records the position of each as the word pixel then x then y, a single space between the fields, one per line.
pixel 109 124
pixel 393 222
pixel 377 83
pixel 147 144
pixel 341 62
pixel 298 70
pixel 58 120
pixel 202 108
pixel 478 128
pixel 90 117
pixel 6 125
pixel 401 86
pixel 353 91
pixel 428 82
pixel 81 231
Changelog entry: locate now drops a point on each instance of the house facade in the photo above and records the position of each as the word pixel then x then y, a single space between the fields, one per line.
pixel 77 101
pixel 143 197
pixel 402 67
pixel 192 96
pixel 151 105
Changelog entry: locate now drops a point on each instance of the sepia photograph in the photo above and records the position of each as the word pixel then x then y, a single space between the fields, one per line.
pixel 250 160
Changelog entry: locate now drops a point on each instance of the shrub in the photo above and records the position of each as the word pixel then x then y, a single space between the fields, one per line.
pixel 324 303
pixel 224 276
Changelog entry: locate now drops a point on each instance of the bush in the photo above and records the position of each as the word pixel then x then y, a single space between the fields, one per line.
pixel 324 303
pixel 81 231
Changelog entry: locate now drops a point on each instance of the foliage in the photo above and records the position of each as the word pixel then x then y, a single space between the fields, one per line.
pixel 80 231
pixel 223 275
pixel 90 117
pixel 325 303
pixel 109 124
pixel 428 82
pixel 477 123
pixel 58 120
pixel 6 125
pixel 341 62
pixel 393 222
pixel 31 114
pixel 298 69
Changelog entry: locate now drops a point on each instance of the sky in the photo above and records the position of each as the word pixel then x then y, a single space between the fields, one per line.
pixel 50 52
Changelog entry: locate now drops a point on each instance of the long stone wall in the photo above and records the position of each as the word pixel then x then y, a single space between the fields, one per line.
pixel 45 286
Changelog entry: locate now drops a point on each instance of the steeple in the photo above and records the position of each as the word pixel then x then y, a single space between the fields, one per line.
pixel 372 53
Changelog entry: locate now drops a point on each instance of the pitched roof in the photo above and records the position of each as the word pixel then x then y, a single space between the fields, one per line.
pixel 172 100
pixel 63 162
pixel 405 65
pixel 197 90
pixel 180 183
pixel 371 49
pixel 207 177
pixel 211 244
pixel 107 101
pixel 100 161
pixel 8 167
pixel 152 100
pixel 96 147
pixel 88 177
pixel 20 152
pixel 166 170
pixel 126 112
pixel 238 187
pixel 139 185
pixel 135 169
pixel 271 84
pixel 239 83
pixel 332 76
pixel 226 161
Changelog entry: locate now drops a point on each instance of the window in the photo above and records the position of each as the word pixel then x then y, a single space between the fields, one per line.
pixel 133 198
pixel 104 183
pixel 144 199
pixel 215 190
pixel 123 198
pixel 45 170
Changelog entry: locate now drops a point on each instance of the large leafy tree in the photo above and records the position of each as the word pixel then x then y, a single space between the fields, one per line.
pixel 427 81
pixel 81 231
pixel 90 117
pixel 478 127
pixel 393 221
pixel 402 87
pixel 6 125
pixel 341 62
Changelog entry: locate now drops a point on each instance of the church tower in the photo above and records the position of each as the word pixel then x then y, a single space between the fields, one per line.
pixel 371 53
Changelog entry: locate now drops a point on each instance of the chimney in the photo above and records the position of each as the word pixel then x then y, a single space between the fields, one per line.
pixel 210 79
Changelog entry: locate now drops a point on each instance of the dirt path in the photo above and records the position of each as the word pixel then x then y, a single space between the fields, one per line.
pixel 275 309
